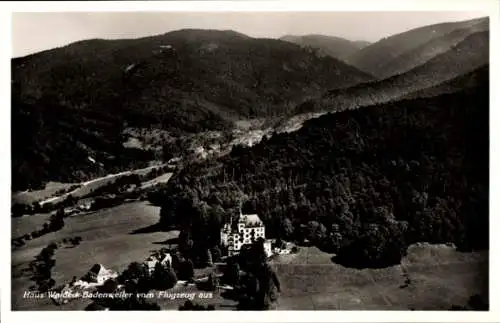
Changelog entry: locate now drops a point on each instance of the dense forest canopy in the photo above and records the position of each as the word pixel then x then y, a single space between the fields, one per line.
pixel 73 102
pixel 367 182
pixel 335 47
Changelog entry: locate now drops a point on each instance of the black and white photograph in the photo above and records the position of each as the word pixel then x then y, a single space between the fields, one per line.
pixel 250 160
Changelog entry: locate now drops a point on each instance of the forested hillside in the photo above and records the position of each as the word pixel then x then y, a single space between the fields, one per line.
pixel 83 95
pixel 427 51
pixel 363 183
pixel 463 82
pixel 50 142
pixel 465 57
pixel 335 47
pixel 397 53
pixel 181 73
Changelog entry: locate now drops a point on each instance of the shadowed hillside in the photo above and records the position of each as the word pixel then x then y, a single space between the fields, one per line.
pixel 219 71
pixel 436 46
pixel 469 54
pixel 404 51
pixel 81 96
pixel 335 47
pixel 460 83
pixel 364 183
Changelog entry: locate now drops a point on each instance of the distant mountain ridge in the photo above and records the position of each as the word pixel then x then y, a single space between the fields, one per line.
pixel 221 70
pixel 401 52
pixel 469 54
pixel 184 81
pixel 336 47
pixel 429 50
pixel 84 95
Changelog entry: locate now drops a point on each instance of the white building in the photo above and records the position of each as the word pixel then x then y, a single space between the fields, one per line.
pixel 98 274
pixel 165 261
pixel 247 230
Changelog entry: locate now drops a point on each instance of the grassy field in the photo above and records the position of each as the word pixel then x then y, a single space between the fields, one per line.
pixel 28 224
pixel 430 277
pixel 29 197
pixel 48 193
pixel 107 239
pixel 439 277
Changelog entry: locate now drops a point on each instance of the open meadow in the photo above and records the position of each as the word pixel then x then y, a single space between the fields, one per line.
pixel 106 238
pixel 431 277
pixel 49 193
pixel 28 197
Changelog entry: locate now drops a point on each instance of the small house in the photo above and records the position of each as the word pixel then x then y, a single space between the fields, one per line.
pixel 98 274
pixel 165 260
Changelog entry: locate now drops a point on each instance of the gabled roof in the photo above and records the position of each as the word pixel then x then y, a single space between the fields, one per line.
pixel 250 220
pixel 99 269
pixel 96 269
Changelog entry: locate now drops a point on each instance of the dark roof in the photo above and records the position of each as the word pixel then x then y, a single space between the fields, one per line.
pixel 95 269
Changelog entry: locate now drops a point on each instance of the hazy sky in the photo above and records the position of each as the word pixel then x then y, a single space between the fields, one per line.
pixel 33 32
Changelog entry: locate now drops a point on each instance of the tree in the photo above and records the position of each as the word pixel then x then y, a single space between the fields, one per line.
pixel 69 200
pixel 287 228
pixel 261 288
pixel 185 242
pixel 167 218
pixel 52 246
pixel 209 258
pixel 177 261
pixel 76 241
pixel 163 278
pixel 379 247
pixel 171 278
pixel 159 277
pixel 46 285
pixel 109 286
pixel 188 270
pixel 269 287
pixel 212 282
pixel 135 271
pixel 57 221
pixel 216 214
pixel 216 254
pixel 316 231
pixel 232 273
pixel 36 207
pixel 279 243
pixel 250 289
pixel 17 210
